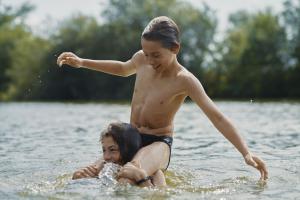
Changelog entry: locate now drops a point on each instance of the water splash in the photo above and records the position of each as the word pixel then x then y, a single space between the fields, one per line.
pixel 107 176
pixel 45 186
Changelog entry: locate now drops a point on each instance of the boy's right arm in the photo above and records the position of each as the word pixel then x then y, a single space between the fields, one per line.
pixel 107 66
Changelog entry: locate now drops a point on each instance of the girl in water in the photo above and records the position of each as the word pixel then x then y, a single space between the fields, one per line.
pixel 120 142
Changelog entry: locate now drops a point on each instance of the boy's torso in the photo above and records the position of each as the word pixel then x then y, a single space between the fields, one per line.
pixel 156 100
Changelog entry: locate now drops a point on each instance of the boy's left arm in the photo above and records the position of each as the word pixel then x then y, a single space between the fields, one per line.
pixel 196 92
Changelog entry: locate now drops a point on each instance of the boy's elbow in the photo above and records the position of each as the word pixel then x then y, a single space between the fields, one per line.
pixel 125 72
pixel 127 68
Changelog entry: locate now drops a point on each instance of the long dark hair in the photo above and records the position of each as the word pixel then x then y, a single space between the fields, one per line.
pixel 126 136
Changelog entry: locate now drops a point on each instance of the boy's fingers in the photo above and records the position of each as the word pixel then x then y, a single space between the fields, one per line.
pixel 265 172
pixel 260 165
pixel 61 62
pixel 61 56
pixel 251 162
pixel 262 174
pixel 70 59
pixel 58 60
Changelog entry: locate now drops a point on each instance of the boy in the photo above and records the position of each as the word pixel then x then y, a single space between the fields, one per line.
pixel 161 86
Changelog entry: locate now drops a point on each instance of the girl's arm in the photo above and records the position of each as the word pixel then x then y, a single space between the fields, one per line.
pixel 107 66
pixel 90 171
pixel 222 123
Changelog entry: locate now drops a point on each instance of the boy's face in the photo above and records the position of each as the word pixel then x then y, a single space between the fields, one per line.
pixel 111 152
pixel 157 55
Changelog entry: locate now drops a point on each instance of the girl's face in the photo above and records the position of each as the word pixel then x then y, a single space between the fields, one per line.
pixel 159 57
pixel 111 152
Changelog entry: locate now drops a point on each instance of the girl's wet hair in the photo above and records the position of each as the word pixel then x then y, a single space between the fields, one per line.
pixel 164 30
pixel 126 136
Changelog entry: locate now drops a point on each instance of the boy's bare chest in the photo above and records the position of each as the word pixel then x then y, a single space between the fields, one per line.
pixel 155 93
pixel 152 97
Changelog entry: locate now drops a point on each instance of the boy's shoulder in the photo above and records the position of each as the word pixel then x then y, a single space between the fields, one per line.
pixel 184 74
pixel 186 77
pixel 139 53
pixel 139 58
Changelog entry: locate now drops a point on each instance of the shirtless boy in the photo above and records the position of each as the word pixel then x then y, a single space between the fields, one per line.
pixel 161 86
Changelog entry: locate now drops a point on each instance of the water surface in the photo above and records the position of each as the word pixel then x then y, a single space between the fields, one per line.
pixel 41 144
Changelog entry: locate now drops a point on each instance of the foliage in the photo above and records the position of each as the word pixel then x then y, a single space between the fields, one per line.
pixel 258 58
pixel 291 17
pixel 118 38
pixel 12 29
pixel 251 64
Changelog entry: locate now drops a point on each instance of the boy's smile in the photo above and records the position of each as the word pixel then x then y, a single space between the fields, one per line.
pixel 157 56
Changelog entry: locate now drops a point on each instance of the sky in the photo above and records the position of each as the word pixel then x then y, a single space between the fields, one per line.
pixel 57 10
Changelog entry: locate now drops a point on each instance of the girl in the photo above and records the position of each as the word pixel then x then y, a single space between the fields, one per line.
pixel 120 142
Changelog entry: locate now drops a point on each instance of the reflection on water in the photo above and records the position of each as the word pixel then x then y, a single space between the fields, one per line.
pixel 41 144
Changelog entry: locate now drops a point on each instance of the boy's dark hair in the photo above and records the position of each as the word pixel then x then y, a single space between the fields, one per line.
pixel 126 136
pixel 164 30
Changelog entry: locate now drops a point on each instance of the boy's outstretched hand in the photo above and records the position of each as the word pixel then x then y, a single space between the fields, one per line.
pixel 69 58
pixel 257 163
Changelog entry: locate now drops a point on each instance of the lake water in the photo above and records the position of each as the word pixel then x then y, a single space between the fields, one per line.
pixel 41 144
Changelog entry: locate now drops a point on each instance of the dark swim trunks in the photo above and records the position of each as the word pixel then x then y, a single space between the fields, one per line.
pixel 149 139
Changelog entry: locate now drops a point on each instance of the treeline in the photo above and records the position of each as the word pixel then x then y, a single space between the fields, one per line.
pixel 257 58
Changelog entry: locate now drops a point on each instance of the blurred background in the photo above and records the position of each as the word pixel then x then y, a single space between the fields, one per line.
pixel 237 49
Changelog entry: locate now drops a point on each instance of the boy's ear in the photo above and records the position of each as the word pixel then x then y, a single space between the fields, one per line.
pixel 175 49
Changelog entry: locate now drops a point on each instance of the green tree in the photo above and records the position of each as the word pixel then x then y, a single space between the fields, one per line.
pixel 83 36
pixel 118 38
pixel 26 68
pixel 128 18
pixel 12 29
pixel 291 17
pixel 252 56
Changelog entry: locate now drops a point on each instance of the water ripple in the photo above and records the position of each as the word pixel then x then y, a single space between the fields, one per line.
pixel 41 144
